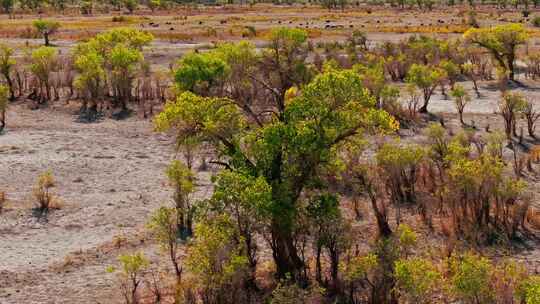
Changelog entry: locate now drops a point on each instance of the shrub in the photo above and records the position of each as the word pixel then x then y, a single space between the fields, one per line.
pixel 536 21
pixel 120 19
pixel 131 5
pixel 42 192
pixel 287 293
pixel 530 290
pixel 461 99
pixel 163 225
pixel 133 268
pixel 417 279
pixel 217 261
pixel 44 61
pixel 470 278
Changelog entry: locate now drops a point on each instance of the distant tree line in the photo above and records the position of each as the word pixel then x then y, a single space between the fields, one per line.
pixel 87 7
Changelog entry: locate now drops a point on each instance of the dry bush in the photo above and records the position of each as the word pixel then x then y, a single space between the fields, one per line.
pixel 45 199
pixel 3 200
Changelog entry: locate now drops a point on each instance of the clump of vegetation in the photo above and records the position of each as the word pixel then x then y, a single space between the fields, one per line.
pixel 133 267
pixel 7 65
pixel 164 225
pixel 45 198
pixel 461 99
pixel 426 78
pixel 536 21
pixel 502 42
pixel 182 179
pixel 46 28
pixel 417 279
pixel 44 61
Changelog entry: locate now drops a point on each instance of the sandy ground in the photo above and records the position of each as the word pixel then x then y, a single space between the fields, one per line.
pixel 109 177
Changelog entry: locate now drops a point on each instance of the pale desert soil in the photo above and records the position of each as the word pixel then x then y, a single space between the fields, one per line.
pixel 109 178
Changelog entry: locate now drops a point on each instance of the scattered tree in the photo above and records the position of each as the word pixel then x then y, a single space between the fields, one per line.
pixel 461 99
pixel 46 28
pixel 132 272
pixel 501 41
pixel 7 62
pixel 164 226
pixel 426 78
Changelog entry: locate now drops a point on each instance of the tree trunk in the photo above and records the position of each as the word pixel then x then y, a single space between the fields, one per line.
pixel 423 109
pixel 2 120
pixel 511 68
pixel 285 254
pixel 318 275
pixel 10 87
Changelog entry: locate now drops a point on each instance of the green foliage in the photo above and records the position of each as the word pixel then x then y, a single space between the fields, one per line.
pixel 374 79
pixel 471 277
pixel 44 61
pixel 4 98
pixel 438 141
pixel 133 263
pixel 287 293
pixel 131 5
pixel 361 267
pixel 91 78
pixel 423 76
pixel 290 38
pixel 426 78
pixel 530 290
pixel 330 112
pixel 536 21
pixel 46 28
pixel 133 267
pixel 215 257
pixel 501 41
pixel 417 279
pixel 210 117
pixel 7 6
pixel 407 237
pixel 199 71
pixel 111 57
pixel 253 196
pixel 451 70
pixel 7 62
pixel 163 226
pixel 395 157
pixel 180 177
pixel 182 180
pixel 461 99
pixel 103 43
pixel 154 4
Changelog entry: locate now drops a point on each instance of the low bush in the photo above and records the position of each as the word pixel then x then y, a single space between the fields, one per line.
pixel 536 21
pixel 45 199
